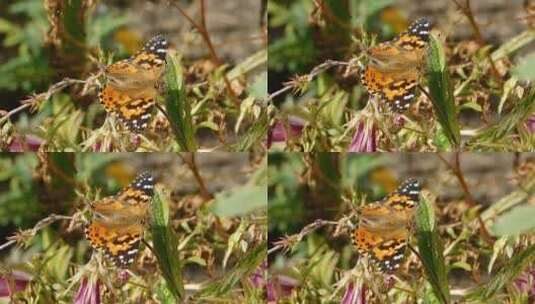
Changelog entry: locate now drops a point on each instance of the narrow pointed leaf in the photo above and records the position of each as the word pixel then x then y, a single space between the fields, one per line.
pixel 165 245
pixel 441 91
pixel 431 249
pixel 178 108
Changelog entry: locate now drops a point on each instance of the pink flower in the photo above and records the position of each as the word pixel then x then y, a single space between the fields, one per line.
pixel 365 138
pixel 88 293
pixel 258 278
pixel 526 282
pixel 530 123
pixel 12 283
pixel 280 286
pixel 354 294
pixel 278 132
pixel 22 143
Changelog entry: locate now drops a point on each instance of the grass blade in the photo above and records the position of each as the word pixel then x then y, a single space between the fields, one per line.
pixel 488 138
pixel 255 135
pixel 243 269
pixel 431 249
pixel 506 275
pixel 165 245
pixel 441 91
pixel 179 110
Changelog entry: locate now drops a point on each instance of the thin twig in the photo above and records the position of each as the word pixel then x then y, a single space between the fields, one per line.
pixel 467 11
pixel 457 171
pixel 201 28
pixel 22 235
pixel 189 159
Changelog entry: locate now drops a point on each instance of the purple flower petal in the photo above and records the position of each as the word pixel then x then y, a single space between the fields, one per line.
pixel 354 294
pixel 526 282
pixel 278 132
pixel 24 143
pixel 365 138
pixel 280 286
pixel 258 278
pixel 88 293
pixel 530 123
pixel 16 281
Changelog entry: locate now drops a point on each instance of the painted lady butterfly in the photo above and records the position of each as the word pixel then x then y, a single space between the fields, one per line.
pixel 131 89
pixel 118 221
pixel 394 66
pixel 383 229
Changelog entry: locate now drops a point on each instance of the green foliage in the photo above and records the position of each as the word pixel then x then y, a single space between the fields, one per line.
pixel 29 69
pixel 295 50
pixel 223 286
pixel 19 204
pixel 518 263
pixel 526 68
pixel 244 199
pixel 431 249
pixel 179 109
pixel 442 91
pixel 499 136
pixel 516 221
pixel 166 245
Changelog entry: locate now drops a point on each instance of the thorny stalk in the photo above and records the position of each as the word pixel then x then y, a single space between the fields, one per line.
pixel 203 31
pixel 299 80
pixel 35 100
pixel 21 235
pixel 290 240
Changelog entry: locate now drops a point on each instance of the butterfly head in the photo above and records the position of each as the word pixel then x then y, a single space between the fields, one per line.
pixel 144 182
pixel 157 45
pixel 421 28
pixel 411 188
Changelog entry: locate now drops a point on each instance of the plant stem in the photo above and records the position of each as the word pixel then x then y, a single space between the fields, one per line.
pixel 189 159
pixel 201 28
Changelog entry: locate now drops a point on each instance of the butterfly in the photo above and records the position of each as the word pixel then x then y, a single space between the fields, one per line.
pixel 383 229
pixel 118 221
pixel 132 85
pixel 394 66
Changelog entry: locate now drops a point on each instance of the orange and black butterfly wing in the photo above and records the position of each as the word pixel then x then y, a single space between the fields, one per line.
pixel 119 227
pixel 398 92
pixel 135 111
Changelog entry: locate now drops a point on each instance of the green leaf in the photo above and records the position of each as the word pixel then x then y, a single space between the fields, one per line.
pixel 506 275
pixel 441 91
pixel 516 221
pixel 525 69
pixel 240 201
pixel 179 110
pixel 165 244
pixel 431 249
